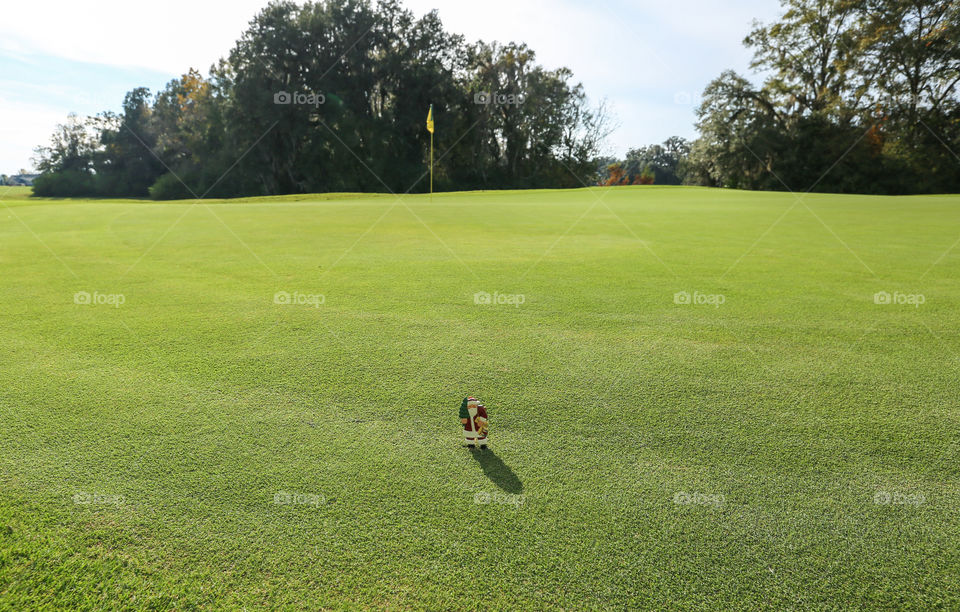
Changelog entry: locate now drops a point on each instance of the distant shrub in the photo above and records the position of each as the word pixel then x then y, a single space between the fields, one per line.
pixel 169 187
pixel 617 175
pixel 68 183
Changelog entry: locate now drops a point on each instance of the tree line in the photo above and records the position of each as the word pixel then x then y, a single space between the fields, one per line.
pixel 333 95
pixel 857 96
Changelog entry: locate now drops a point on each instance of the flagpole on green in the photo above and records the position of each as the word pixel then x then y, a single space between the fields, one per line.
pixel 430 129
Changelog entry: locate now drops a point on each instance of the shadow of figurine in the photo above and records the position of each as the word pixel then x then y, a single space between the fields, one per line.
pixel 497 471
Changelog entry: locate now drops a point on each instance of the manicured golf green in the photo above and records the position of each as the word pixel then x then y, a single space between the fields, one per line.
pixel 254 403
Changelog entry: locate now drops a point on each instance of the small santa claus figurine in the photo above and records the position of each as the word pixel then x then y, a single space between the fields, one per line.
pixel 473 415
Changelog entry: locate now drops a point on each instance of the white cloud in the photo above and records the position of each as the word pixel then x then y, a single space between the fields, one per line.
pixel 33 127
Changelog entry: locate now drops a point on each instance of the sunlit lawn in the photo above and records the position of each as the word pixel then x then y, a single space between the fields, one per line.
pixel 186 441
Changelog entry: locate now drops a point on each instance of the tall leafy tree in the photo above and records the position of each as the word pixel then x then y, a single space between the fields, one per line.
pixel 815 56
pixel 915 48
pixel 129 162
pixel 71 147
pixel 860 96
pixel 66 163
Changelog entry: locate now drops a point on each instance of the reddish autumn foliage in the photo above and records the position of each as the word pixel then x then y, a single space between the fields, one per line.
pixel 618 176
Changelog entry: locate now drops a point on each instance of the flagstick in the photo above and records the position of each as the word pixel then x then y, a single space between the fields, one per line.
pixel 431 167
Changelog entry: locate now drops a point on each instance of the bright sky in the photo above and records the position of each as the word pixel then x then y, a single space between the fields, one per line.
pixel 649 58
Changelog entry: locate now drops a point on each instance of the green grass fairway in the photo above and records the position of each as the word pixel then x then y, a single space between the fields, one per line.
pixel 184 442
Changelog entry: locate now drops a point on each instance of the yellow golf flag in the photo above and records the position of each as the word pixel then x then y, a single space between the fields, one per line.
pixel 430 119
